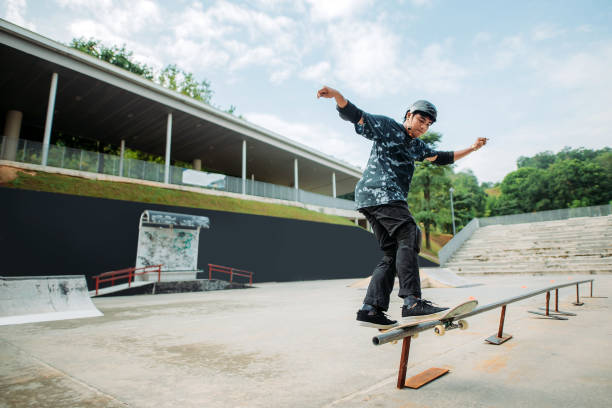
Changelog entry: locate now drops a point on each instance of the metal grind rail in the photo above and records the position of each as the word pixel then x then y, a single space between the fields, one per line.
pixel 498 338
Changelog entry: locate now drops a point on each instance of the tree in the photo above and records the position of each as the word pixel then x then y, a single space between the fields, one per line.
pixel 576 183
pixel 469 199
pixel 114 55
pixel 547 181
pixel 176 79
pixel 521 190
pixel 426 197
pixel 170 77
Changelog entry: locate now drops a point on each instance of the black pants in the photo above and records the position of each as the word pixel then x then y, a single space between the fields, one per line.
pixel 400 239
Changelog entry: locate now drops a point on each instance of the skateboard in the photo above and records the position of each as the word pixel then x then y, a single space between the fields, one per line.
pixel 445 317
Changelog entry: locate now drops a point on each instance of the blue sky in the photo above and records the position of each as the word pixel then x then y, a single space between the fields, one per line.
pixel 529 75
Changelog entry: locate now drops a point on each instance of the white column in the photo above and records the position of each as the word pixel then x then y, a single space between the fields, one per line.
pixel 296 179
pixel 197 164
pixel 334 184
pixel 168 146
pixel 244 164
pixel 49 121
pixel 12 129
pixel 121 158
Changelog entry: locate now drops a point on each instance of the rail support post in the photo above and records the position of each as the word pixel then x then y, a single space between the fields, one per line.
pixel 594 297
pixel 500 337
pixel 403 367
pixel 548 314
pixel 578 302
pixel 557 311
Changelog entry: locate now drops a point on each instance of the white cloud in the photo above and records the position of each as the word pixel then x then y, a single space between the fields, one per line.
pixel 119 18
pixel 420 3
pixel 234 37
pixel 547 31
pixel 365 56
pixel 579 70
pixel 436 72
pixel 15 12
pixel 482 38
pixel 318 72
pixel 325 10
pixel 508 51
pixel 369 58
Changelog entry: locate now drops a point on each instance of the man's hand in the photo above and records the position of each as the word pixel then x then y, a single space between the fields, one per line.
pixel 327 92
pixel 481 141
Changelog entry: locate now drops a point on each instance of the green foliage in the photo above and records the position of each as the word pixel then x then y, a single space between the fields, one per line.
pixel 114 55
pixel 184 82
pixel 547 181
pixel 428 197
pixel 170 77
pixel 546 159
pixel 469 199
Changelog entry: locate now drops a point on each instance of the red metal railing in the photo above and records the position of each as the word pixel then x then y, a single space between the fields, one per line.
pixel 127 273
pixel 230 271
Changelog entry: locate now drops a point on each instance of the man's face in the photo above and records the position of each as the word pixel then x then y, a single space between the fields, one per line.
pixel 416 124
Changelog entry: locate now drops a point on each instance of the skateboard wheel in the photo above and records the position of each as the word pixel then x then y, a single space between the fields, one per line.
pixel 439 330
pixel 463 325
pixel 415 335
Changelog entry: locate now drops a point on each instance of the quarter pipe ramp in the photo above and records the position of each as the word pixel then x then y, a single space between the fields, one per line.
pixel 44 298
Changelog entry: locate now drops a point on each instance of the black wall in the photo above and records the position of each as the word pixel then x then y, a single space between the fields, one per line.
pixel 58 234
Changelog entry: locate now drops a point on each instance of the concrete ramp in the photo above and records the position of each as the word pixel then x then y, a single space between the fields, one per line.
pixel 44 298
pixel 442 278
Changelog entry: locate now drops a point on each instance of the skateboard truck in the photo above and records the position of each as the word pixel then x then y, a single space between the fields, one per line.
pixel 440 329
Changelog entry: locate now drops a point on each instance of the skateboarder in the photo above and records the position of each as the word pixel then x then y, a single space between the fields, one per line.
pixel 381 195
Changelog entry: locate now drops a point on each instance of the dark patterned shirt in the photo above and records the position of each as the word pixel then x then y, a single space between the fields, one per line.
pixel 389 171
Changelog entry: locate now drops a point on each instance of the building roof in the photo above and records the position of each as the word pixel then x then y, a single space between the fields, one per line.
pixel 100 101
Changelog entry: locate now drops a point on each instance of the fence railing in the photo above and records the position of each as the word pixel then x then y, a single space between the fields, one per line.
pixel 550 215
pixel 76 159
pixel 127 273
pixel 229 271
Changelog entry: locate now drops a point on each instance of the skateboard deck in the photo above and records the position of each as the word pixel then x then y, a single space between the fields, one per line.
pixel 445 316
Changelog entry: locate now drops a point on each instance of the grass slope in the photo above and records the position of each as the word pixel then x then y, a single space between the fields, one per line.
pixel 58 183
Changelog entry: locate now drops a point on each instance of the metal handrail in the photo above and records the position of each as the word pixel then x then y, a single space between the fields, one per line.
pixel 230 271
pixel 128 273
pixel 395 335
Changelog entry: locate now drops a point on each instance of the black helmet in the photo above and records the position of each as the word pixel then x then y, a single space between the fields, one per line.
pixel 424 107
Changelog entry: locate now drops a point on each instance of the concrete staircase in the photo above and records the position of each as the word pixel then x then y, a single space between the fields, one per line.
pixel 575 245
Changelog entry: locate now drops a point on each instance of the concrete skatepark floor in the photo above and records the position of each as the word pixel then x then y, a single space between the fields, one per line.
pixel 297 345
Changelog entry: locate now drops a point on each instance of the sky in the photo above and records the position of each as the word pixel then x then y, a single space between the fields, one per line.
pixel 529 75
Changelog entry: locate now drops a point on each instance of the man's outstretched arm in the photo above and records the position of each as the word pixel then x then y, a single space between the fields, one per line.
pixel 481 141
pixel 347 110
pixel 458 154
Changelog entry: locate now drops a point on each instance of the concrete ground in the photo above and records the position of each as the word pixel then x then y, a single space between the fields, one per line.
pixel 297 345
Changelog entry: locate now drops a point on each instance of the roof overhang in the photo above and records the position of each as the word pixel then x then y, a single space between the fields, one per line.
pixel 100 101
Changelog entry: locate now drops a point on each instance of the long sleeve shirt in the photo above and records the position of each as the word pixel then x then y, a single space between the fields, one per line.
pixel 389 171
